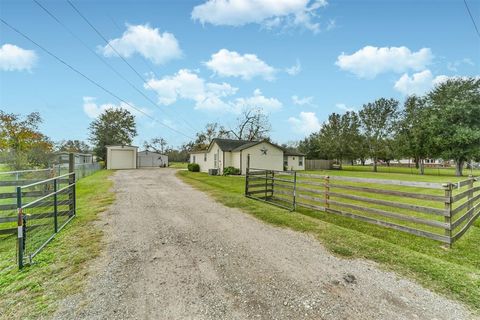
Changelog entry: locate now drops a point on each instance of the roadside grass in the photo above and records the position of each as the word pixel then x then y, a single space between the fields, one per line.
pixel 453 272
pixel 60 269
pixel 412 171
pixel 178 165
pixel 4 167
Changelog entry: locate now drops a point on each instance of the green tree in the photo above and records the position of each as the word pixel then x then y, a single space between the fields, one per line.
pixel 378 121
pixel 414 133
pixel 112 127
pixel 22 141
pixel 454 117
pixel 77 146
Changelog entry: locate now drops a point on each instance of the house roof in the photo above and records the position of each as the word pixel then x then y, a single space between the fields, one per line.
pixel 287 152
pixel 229 144
pixel 239 145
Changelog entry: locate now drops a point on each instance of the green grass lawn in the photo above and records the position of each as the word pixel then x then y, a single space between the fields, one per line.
pixel 4 167
pixel 453 272
pixel 178 165
pixel 412 171
pixel 60 269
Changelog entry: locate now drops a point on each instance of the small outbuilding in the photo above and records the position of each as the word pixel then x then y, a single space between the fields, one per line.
pixel 122 157
pixel 148 158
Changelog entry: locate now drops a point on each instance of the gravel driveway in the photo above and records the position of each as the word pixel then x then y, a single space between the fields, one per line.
pixel 174 253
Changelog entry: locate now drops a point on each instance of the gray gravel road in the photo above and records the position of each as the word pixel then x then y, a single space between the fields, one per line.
pixel 174 253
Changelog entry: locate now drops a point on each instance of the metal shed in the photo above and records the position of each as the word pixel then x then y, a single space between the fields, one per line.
pixel 122 157
pixel 152 159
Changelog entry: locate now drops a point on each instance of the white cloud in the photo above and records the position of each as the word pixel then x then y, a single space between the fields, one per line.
pixel 227 63
pixel 15 58
pixel 306 123
pixel 149 42
pixel 295 69
pixel 369 61
pixel 93 110
pixel 268 13
pixel 343 106
pixel 418 83
pixel 186 84
pixel 453 66
pixel 302 101
pixel 257 100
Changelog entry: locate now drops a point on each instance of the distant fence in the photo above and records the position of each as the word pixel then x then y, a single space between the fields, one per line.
pixel 311 164
pixel 441 212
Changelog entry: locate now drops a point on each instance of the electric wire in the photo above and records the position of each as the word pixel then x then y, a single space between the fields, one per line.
pixel 88 78
pixel 101 59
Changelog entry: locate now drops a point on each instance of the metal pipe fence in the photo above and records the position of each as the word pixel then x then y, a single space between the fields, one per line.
pixel 39 220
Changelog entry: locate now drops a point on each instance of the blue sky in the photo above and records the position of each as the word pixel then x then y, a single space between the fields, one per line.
pixel 206 61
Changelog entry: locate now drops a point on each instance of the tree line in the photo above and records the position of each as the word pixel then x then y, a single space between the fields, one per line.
pixel 442 124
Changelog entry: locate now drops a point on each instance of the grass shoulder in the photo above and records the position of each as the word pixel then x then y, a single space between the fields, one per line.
pixel 454 272
pixel 61 268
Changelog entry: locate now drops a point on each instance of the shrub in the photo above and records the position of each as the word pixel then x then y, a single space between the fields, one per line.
pixel 194 167
pixel 231 171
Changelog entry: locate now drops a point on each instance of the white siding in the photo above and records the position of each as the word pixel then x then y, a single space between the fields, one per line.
pixel 294 163
pixel 273 160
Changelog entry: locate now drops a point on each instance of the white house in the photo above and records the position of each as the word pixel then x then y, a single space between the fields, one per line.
pixel 148 158
pixel 222 153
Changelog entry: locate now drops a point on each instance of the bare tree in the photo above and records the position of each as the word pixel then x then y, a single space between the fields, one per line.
pixel 252 124
pixel 156 144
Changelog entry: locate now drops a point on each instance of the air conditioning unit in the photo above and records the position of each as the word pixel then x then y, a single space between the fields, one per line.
pixel 212 172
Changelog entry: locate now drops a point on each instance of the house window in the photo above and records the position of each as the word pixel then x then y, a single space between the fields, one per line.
pixel 193 161
pixel 300 161
pixel 205 157
pixel 215 165
pixel 285 161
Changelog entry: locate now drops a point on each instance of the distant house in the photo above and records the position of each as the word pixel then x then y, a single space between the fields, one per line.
pixel 80 158
pixel 222 153
pixel 148 158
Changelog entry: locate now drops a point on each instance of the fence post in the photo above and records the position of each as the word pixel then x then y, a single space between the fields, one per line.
pixel 71 162
pixel 55 202
pixel 246 174
pixel 74 192
pixel 20 228
pixel 266 184
pixel 294 190
pixel 448 209
pixel 470 194
pixel 273 182
pixel 327 192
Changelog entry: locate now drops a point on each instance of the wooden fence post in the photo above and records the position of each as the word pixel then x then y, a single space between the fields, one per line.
pixel 247 170
pixel 273 182
pixel 470 194
pixel 448 209
pixel 327 192
pixel 295 191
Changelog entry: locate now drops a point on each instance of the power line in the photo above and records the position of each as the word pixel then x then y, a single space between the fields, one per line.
pixel 100 58
pixel 471 17
pixel 85 76
pixel 115 50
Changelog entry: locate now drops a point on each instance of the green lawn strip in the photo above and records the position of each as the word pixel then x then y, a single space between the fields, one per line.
pixel 60 269
pixel 411 171
pixel 453 272
pixel 178 165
